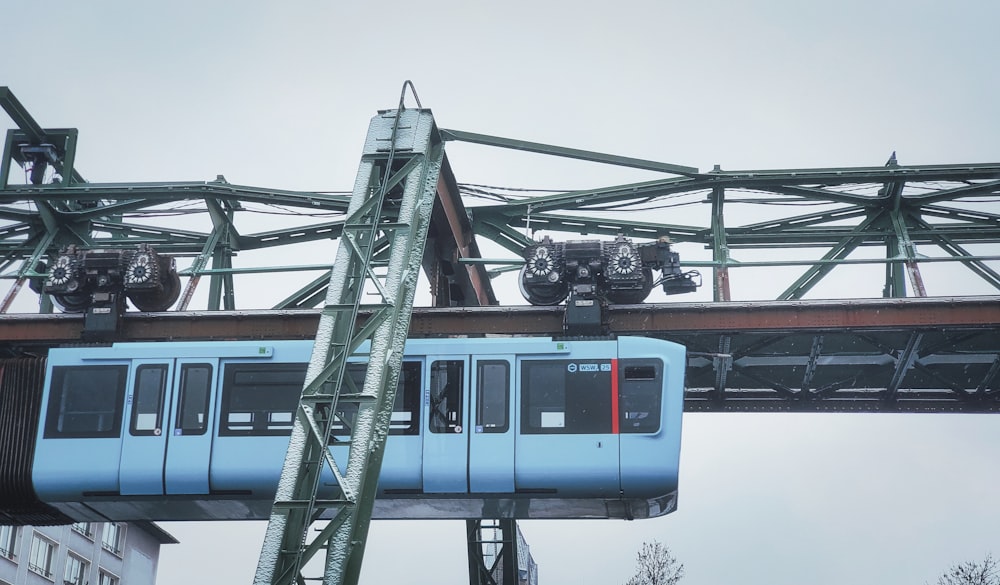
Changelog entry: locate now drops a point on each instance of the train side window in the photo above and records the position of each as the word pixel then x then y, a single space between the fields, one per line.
pixel 565 397
pixel 260 399
pixel 492 396
pixel 405 408
pixel 86 401
pixel 192 406
pixel 447 381
pixel 147 399
pixel 640 391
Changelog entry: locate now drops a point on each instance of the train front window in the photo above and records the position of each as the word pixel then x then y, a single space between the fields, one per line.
pixel 447 381
pixel 566 396
pixel 147 399
pixel 492 396
pixel 639 392
pixel 192 406
pixel 260 399
pixel 86 401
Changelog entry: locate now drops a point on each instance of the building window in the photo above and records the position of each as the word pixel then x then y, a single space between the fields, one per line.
pixel 84 528
pixel 106 578
pixel 113 537
pixel 40 558
pixel 8 540
pixel 76 570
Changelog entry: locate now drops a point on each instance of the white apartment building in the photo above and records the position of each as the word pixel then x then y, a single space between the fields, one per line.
pixel 84 553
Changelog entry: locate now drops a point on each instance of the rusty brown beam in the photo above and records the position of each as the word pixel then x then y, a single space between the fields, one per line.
pixel 457 220
pixel 652 319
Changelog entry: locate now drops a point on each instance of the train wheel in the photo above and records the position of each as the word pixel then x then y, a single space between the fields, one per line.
pixel 542 294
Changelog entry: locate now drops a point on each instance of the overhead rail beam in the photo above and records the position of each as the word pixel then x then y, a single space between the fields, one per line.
pixel 658 319
pixel 882 355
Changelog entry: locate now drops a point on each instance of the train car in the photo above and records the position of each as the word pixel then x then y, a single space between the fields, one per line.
pixel 481 428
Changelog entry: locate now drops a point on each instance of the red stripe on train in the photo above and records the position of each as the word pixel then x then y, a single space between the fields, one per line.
pixel 614 396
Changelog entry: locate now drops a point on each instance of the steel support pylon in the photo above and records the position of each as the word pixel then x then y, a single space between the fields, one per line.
pixel 493 552
pixel 391 207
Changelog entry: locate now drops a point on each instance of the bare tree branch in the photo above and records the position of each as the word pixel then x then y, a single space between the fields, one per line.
pixel 985 572
pixel 655 565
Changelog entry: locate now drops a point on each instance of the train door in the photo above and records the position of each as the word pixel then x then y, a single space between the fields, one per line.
pixel 189 445
pixel 446 443
pixel 567 441
pixel 144 442
pixel 491 440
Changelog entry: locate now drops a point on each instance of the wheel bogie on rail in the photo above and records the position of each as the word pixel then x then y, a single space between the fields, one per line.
pixel 481 428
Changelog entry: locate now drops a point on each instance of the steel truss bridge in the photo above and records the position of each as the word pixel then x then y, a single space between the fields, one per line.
pixel 885 230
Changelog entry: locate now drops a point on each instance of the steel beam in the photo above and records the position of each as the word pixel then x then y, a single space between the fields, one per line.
pixel 493 542
pixel 653 318
pixel 720 248
pixel 455 241
pixel 394 193
pixel 621 161
pixel 742 356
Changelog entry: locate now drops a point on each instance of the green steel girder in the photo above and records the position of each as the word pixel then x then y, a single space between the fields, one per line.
pixel 972 218
pixel 219 240
pixel 720 248
pixel 958 252
pixel 829 236
pixel 401 136
pixel 817 272
pixel 857 175
pixel 501 233
pixel 595 198
pixel 19 114
pixel 141 232
pixel 934 205
pixel 797 223
pixel 820 194
pixel 22 215
pixel 621 161
pixel 160 192
pixel 222 292
pixel 30 132
pixel 308 296
pixel 988 188
pixel 64 141
pixel 310 233
pixel 587 226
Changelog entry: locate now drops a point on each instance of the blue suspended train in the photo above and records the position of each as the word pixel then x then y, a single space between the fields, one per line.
pixel 481 428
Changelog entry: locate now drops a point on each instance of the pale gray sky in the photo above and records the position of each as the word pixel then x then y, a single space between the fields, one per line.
pixel 279 95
